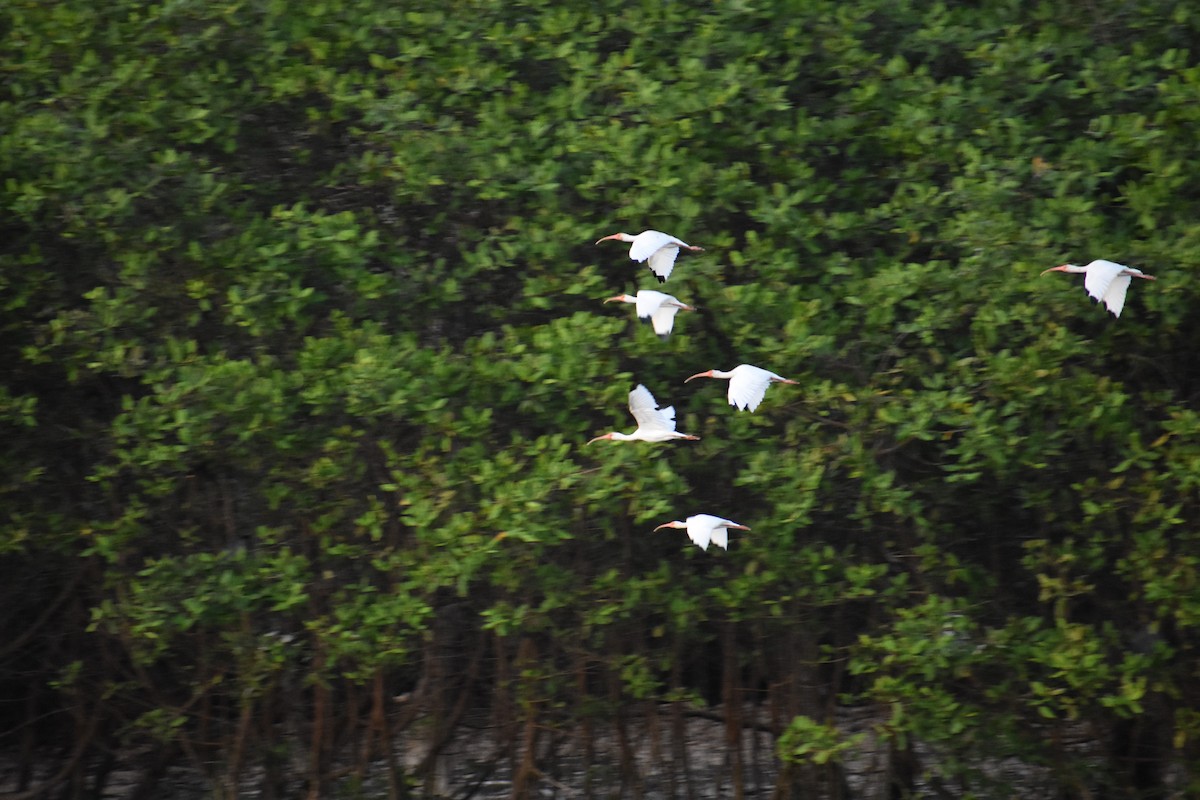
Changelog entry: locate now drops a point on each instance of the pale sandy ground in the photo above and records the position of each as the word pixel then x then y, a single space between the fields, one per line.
pixel 469 767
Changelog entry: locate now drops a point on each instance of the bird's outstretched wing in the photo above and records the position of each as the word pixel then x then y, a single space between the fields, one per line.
pixel 662 261
pixel 660 248
pixel 649 301
pixel 646 243
pixel 1100 276
pixel 748 386
pixel 663 320
pixel 699 530
pixel 647 413
pixel 1114 298
pixel 659 310
pixel 720 537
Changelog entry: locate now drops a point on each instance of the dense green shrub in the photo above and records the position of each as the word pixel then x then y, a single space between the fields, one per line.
pixel 302 321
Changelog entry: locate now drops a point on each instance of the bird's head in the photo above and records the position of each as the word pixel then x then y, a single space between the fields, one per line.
pixel 1059 268
pixel 672 524
pixel 705 374
pixel 622 298
pixel 598 438
pixel 620 237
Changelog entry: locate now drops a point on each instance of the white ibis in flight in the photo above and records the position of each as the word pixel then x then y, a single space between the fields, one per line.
pixel 703 528
pixel 747 384
pixel 657 246
pixel 654 307
pixel 654 424
pixel 1106 281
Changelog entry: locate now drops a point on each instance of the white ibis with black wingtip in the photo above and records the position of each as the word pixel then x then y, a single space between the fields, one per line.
pixel 703 528
pixel 747 384
pixel 1106 281
pixel 654 424
pixel 659 248
pixel 657 308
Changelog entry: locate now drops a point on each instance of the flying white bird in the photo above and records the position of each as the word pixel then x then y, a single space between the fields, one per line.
pixel 1106 280
pixel 657 246
pixel 654 424
pixel 747 384
pixel 654 307
pixel 703 528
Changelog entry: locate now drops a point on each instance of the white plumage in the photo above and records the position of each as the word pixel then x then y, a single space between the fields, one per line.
pixel 654 424
pixel 747 384
pixel 657 308
pixel 658 248
pixel 705 528
pixel 1106 281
